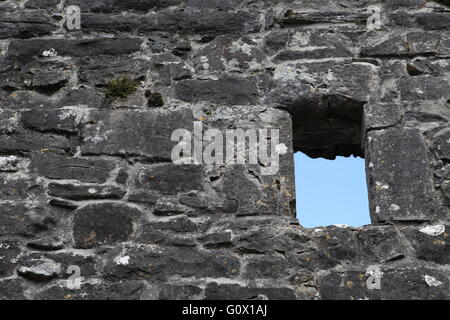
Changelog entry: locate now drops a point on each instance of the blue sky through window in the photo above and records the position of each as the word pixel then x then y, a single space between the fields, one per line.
pixel 331 191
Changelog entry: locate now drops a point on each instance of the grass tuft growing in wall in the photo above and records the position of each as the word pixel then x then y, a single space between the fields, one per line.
pixel 120 87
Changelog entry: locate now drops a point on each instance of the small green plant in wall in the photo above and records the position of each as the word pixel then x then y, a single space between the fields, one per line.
pixel 120 87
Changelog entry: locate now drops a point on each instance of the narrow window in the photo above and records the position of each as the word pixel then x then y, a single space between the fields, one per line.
pixel 330 174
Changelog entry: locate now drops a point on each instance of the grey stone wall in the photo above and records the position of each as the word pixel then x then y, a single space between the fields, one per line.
pixel 88 183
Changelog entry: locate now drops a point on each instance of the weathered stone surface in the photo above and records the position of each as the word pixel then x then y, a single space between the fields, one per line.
pixel 228 91
pixel 353 284
pixel 399 175
pixel 175 292
pixel 130 290
pixel 39 269
pixel 140 133
pixel 25 24
pixel 41 4
pixel 32 142
pixel 14 221
pixel 34 48
pixel 53 166
pixel 100 70
pixel 77 192
pixel 300 18
pixel 89 181
pixel 60 120
pixel 103 223
pixel 209 23
pixel 170 179
pixel 431 243
pixel 150 261
pixel 12 289
pixel 377 116
pixel 216 291
pixel 9 257
pixel 441 144
pixel 49 243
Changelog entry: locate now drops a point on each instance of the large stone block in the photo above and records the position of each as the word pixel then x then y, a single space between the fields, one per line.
pixel 225 91
pixel 399 176
pixel 26 50
pixel 103 223
pixel 135 133
pixel 25 24
pixel 170 179
pixel 155 262
pixel 32 142
pixel 417 283
pixel 57 167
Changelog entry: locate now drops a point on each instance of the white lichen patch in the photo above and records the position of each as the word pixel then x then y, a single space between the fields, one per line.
pixel 394 207
pixel 50 53
pixel 92 190
pixel 79 113
pixel 433 230
pixel 122 260
pixel 281 148
pixel 432 281
pixel 8 163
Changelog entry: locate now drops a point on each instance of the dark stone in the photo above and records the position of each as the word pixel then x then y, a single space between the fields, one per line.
pixel 25 50
pixel 42 4
pixel 50 243
pixel 441 145
pixel 32 142
pixel 179 225
pixel 227 90
pixel 141 133
pixel 153 262
pixel 53 166
pixel 266 266
pixel 144 197
pixel 433 20
pixel 61 120
pixel 217 240
pixel 208 23
pixel 19 189
pixel 352 285
pixel 179 292
pixel 25 24
pixel 14 221
pixel 12 289
pixel 9 257
pixel 100 70
pixel 216 291
pixel 170 179
pixel 103 223
pixel 155 99
pixel 429 247
pixel 76 192
pixel 306 18
pixel 130 290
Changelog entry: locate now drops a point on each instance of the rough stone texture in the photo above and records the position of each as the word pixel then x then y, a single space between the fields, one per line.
pixel 87 182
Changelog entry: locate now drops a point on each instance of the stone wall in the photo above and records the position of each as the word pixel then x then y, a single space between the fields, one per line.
pixel 87 183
